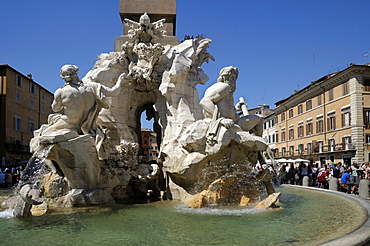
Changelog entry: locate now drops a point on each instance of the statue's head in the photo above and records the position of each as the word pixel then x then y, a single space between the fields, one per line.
pixel 144 20
pixel 229 75
pixel 69 72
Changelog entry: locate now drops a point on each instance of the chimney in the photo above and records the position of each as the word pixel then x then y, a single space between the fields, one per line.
pixel 29 76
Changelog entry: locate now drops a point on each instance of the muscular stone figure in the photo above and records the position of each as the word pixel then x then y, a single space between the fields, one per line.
pixel 218 102
pixel 78 103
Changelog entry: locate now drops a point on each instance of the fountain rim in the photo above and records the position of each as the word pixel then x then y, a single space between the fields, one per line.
pixel 358 237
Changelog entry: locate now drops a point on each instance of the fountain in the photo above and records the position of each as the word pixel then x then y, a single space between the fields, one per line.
pixel 89 152
pixel 90 147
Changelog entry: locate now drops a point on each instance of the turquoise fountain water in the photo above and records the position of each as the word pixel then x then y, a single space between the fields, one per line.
pixel 308 218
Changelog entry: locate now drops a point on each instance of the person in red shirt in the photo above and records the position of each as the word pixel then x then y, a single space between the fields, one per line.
pixel 322 177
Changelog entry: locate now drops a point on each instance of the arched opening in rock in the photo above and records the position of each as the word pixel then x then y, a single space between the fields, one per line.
pixel 148 132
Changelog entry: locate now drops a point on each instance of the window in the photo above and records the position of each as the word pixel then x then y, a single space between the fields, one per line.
pixel 367 118
pixel 42 95
pixel 345 88
pixel 282 116
pixel 17 123
pixel 309 128
pixel 331 94
pixel 17 96
pixel 309 104
pixel 300 109
pixel 276 137
pixel 367 138
pixel 283 135
pixel 18 80
pixel 366 84
pixel 309 148
pixel 300 149
pixel 319 100
pixel 331 122
pixel 346 141
pixel 32 103
pixel 290 113
pixel 346 119
pixel 283 151
pixel 31 127
pixel 291 150
pixel 319 125
pixel 32 88
pixel 320 146
pixel 300 131
pixel 291 133
pixel 43 109
pixel 332 144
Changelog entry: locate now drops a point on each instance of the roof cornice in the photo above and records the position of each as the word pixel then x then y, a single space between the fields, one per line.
pixel 318 87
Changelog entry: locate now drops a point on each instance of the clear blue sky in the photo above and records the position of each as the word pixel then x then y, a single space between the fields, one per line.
pixel 279 46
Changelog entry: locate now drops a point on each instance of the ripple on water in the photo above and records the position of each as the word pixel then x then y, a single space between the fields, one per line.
pixel 308 218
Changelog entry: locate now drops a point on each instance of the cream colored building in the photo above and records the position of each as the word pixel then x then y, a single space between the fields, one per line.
pixel 24 107
pixel 329 120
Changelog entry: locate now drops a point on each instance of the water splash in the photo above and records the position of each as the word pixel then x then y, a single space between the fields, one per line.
pixel 217 211
pixel 7 214
pixel 31 181
pixel 35 167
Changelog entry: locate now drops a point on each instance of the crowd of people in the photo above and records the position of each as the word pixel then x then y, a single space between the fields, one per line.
pixel 9 176
pixel 348 176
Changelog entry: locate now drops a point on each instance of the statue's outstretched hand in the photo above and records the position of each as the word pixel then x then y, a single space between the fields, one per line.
pixel 239 105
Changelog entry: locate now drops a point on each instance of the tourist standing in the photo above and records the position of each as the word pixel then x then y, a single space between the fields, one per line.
pixel 2 179
pixel 8 178
pixel 367 170
pixel 315 170
pixel 284 175
pixel 291 174
pixel 322 177
pixel 355 180
pixel 336 171
pixel 344 180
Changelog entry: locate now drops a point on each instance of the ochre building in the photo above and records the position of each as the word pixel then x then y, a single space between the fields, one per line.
pixel 327 121
pixel 24 107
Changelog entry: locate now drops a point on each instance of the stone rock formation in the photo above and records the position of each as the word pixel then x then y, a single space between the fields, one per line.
pixel 90 149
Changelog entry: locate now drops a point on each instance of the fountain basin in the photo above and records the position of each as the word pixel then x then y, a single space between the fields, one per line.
pixel 361 236
pixel 308 218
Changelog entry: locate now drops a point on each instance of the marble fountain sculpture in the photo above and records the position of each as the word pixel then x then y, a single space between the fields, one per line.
pixel 89 151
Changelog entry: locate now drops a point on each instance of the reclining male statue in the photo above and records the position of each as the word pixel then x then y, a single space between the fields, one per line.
pixel 218 106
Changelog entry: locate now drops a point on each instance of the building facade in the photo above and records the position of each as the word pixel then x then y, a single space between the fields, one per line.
pixel 24 107
pixel 327 121
pixel 149 144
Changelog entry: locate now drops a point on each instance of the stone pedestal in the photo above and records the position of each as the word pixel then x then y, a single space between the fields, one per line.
pixel 333 184
pixel 363 189
pixel 305 181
